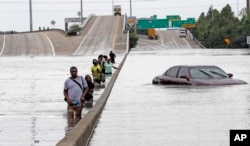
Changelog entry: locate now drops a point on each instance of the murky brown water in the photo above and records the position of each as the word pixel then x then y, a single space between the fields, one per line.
pixel 32 110
pixel 139 113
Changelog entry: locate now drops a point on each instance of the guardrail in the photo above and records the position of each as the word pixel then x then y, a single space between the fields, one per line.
pixel 196 41
pixel 87 20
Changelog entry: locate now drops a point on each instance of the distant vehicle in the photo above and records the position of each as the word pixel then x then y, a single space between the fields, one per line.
pixel 196 75
pixel 182 32
pixel 151 34
pixel 117 10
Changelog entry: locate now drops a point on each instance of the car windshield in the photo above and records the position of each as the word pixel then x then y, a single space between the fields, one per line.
pixel 207 73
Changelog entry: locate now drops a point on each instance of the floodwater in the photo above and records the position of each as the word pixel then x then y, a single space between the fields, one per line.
pixel 139 113
pixel 33 113
pixel 32 109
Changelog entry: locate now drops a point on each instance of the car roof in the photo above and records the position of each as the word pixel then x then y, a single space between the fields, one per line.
pixel 191 66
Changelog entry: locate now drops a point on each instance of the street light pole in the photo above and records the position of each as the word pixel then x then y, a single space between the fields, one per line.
pixel 81 13
pixel 31 21
pixel 237 8
pixel 130 9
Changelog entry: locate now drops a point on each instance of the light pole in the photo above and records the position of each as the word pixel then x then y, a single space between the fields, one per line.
pixel 130 9
pixel 81 12
pixel 31 21
pixel 212 9
pixel 237 8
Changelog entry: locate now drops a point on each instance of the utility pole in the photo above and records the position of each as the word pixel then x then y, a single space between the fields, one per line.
pixel 248 6
pixel 31 21
pixel 212 9
pixel 81 13
pixel 237 8
pixel 130 9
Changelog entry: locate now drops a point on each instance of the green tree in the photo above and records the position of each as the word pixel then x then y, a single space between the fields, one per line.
pixel 74 28
pixel 132 40
pixel 212 29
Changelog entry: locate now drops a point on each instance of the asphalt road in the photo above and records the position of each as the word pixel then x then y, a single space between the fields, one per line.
pixel 100 35
pixel 167 39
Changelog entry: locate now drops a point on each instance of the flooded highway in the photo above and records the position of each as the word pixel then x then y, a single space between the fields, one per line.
pixel 33 113
pixel 139 113
pixel 32 109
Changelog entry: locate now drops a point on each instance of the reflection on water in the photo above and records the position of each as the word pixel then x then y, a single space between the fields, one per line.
pixel 33 112
pixel 32 107
pixel 139 113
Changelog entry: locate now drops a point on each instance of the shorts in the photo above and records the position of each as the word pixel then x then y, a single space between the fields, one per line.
pixel 76 104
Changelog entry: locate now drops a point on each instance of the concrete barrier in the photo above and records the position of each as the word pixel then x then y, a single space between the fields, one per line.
pixel 81 133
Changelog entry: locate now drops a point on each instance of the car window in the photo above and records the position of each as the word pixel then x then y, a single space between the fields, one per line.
pixel 207 72
pixel 197 73
pixel 172 72
pixel 183 71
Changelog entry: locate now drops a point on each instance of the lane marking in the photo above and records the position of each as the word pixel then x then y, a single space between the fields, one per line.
pixel 3 45
pixel 19 45
pixel 52 46
pixel 115 35
pixel 162 43
pixel 187 42
pixel 86 36
pixel 176 43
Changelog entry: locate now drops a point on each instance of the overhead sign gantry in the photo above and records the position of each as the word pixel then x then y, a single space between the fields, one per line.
pixel 170 21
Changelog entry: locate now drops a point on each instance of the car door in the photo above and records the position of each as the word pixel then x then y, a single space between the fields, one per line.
pixel 183 71
pixel 169 77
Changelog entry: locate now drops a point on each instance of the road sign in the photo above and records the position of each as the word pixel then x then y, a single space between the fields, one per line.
pixel 190 20
pixel 173 17
pixel 227 40
pixel 188 25
pixel 248 40
pixel 174 20
pixel 152 23
pixel 72 20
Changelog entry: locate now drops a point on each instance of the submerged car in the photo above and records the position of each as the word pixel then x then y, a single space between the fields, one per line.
pixel 196 75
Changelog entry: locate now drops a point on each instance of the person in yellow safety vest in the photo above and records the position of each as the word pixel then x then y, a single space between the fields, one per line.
pixel 96 71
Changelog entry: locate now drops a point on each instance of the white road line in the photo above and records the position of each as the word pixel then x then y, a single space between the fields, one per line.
pixel 52 47
pixel 176 43
pixel 85 37
pixel 161 38
pixel 19 45
pixel 3 45
pixel 187 42
pixel 115 35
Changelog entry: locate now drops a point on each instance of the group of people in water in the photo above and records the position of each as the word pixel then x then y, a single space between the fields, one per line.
pixel 102 67
pixel 78 89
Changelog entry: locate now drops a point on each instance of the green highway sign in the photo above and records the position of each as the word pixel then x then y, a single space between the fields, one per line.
pixel 189 23
pixel 175 21
pixel 173 17
pixel 152 23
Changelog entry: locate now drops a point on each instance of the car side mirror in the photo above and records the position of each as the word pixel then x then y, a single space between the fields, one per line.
pixel 185 77
pixel 230 75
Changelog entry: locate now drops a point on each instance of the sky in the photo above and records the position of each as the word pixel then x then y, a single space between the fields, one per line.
pixel 14 14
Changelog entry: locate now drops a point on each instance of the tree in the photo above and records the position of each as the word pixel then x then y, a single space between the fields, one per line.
pixel 74 28
pixel 132 40
pixel 212 29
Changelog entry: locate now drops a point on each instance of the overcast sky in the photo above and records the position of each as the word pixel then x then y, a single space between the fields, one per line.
pixel 14 14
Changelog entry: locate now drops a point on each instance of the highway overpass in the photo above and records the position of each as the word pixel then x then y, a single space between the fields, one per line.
pixel 100 35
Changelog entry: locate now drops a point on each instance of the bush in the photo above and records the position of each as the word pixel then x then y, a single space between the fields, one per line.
pixel 132 40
